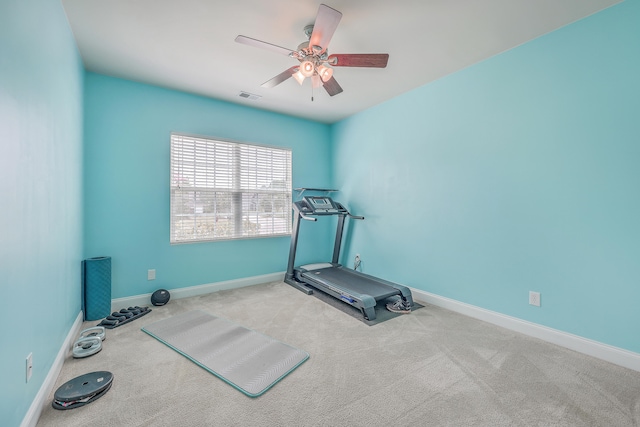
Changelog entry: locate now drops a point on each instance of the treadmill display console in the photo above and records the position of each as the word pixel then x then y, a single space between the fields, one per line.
pixel 321 204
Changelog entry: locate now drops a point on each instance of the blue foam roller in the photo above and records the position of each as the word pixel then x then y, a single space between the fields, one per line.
pixel 97 287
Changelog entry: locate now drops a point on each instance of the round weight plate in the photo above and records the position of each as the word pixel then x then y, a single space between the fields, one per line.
pixel 82 390
pixel 96 331
pixel 86 347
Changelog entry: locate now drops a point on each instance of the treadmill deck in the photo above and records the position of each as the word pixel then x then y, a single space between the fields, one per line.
pixel 350 282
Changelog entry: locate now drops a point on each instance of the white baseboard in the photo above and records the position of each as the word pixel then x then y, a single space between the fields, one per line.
pixel 618 356
pixel 33 414
pixel 192 291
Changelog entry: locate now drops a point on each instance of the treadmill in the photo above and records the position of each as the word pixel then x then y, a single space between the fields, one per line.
pixel 360 290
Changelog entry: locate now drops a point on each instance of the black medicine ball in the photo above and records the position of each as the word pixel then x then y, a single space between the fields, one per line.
pixel 160 297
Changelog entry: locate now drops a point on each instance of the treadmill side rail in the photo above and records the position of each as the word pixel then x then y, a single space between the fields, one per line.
pixel 298 285
pixel 366 303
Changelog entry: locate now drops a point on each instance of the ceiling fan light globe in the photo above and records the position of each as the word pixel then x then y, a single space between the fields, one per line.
pixel 325 72
pixel 299 77
pixel 307 68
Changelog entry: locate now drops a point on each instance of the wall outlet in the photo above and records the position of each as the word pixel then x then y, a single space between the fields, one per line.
pixel 29 366
pixel 151 274
pixel 534 298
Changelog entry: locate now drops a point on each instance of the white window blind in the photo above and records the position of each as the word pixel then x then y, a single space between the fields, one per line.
pixel 227 190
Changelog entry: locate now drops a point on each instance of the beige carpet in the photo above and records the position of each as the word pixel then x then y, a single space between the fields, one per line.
pixel 429 368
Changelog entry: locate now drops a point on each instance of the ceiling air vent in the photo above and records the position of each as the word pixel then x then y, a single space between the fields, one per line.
pixel 247 95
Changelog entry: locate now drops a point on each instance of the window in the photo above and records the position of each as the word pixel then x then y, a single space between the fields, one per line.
pixel 224 190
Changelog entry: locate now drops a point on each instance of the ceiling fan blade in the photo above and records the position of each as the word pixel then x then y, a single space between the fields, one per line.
pixel 280 77
pixel 326 23
pixel 332 87
pixel 264 45
pixel 374 60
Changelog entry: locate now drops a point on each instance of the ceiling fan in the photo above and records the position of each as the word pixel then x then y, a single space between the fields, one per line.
pixel 314 58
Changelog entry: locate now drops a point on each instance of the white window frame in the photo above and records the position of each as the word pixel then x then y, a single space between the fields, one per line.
pixel 227 190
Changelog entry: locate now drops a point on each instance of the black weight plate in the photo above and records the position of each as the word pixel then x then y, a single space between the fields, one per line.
pixel 84 386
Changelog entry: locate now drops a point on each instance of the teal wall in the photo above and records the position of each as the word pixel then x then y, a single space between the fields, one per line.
pixel 519 173
pixel 41 191
pixel 126 175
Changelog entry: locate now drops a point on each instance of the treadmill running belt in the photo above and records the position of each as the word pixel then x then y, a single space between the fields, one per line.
pixel 351 282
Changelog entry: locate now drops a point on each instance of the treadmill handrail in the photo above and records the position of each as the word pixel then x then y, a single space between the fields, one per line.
pixel 308 218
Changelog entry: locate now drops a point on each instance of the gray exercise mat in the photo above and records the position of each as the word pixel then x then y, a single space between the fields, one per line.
pixel 246 359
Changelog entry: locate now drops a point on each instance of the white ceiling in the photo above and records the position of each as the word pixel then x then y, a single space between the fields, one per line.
pixel 189 45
